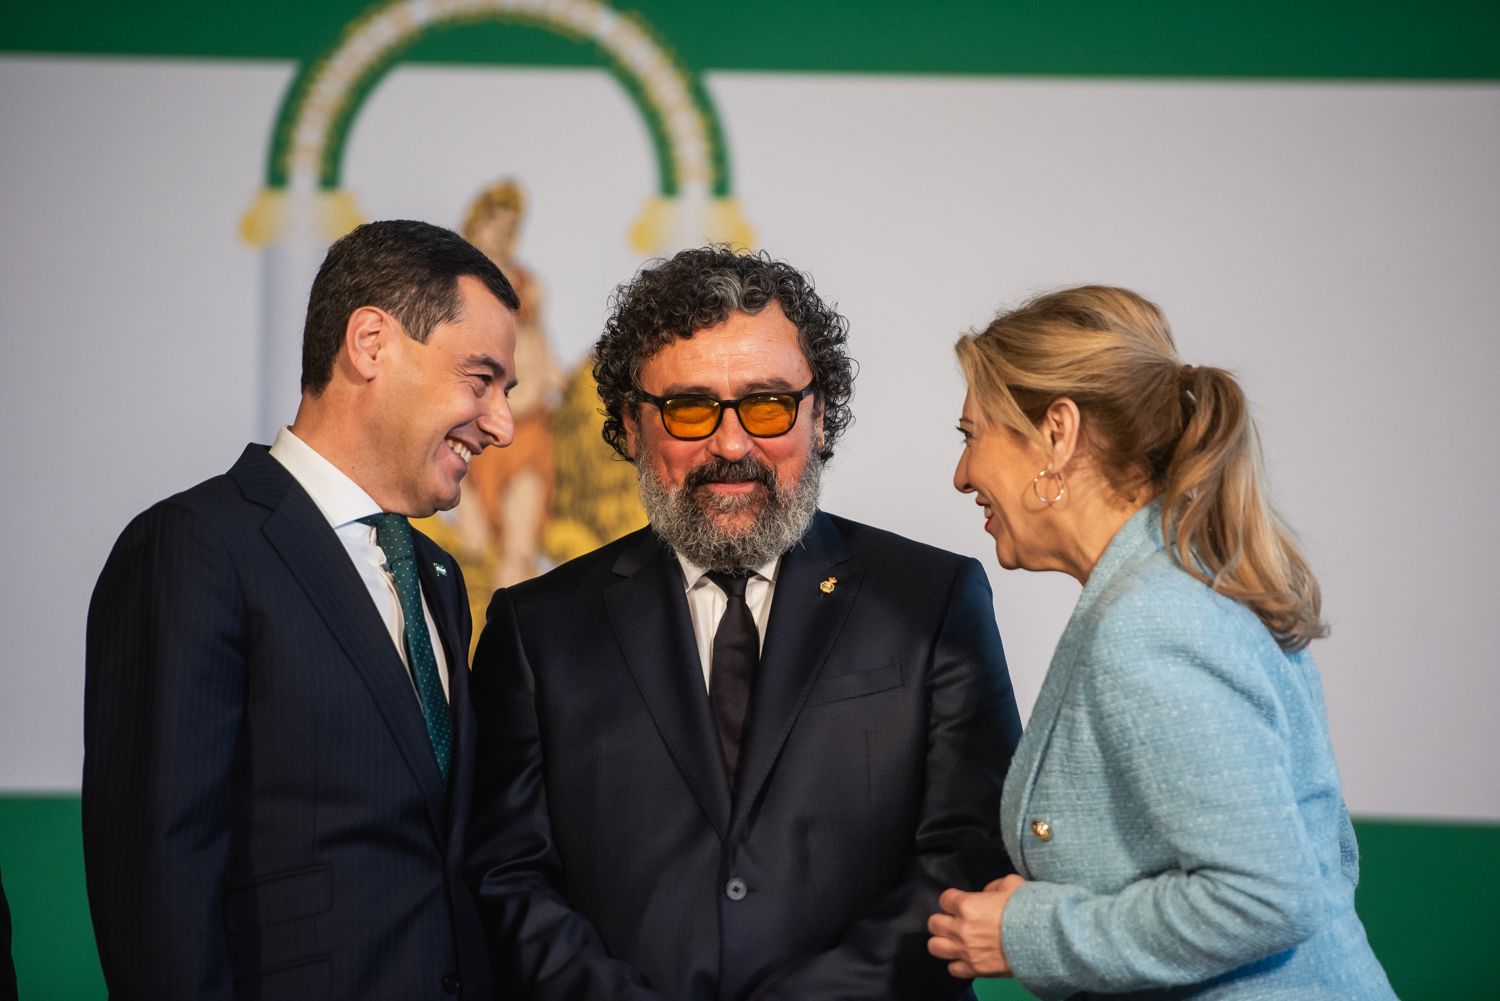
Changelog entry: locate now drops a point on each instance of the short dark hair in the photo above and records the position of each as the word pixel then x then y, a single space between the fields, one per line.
pixel 672 299
pixel 409 269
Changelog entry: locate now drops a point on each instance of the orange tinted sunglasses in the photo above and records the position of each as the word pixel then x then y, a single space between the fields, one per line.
pixel 691 417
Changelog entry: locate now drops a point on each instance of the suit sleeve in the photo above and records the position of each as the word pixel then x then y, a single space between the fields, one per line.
pixel 163 697
pixel 1189 725
pixel 540 948
pixel 973 726
pixel 7 965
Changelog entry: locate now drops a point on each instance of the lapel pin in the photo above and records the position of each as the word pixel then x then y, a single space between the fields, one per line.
pixel 828 585
pixel 442 571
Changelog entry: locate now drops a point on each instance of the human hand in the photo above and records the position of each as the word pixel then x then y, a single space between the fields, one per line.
pixel 967 930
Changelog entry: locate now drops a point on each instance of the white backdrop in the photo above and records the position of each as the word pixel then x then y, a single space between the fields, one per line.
pixel 1337 245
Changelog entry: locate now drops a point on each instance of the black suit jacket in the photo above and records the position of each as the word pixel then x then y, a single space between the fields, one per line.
pixel 263 815
pixel 7 965
pixel 611 858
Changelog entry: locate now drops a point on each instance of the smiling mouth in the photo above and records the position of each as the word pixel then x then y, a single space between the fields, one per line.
pixel 461 450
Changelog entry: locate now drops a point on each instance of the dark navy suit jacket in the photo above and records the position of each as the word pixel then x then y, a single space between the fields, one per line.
pixel 263 815
pixel 7 965
pixel 613 860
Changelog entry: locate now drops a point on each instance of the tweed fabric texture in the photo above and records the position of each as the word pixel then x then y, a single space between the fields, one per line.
pixel 1194 840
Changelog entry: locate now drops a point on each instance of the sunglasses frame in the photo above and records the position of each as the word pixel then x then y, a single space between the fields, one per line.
pixel 660 403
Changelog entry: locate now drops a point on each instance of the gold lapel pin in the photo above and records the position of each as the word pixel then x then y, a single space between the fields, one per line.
pixel 828 585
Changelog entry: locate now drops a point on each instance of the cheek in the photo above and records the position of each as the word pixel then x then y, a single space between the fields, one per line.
pixel 672 459
pixel 787 455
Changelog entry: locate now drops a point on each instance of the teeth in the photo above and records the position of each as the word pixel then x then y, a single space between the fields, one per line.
pixel 463 453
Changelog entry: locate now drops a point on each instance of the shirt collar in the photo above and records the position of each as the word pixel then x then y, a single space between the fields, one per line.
pixel 694 575
pixel 338 497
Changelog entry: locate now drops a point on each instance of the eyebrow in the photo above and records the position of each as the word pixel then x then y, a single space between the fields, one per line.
pixel 777 385
pixel 496 369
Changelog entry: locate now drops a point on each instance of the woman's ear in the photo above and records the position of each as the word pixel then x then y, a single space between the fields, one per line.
pixel 1062 426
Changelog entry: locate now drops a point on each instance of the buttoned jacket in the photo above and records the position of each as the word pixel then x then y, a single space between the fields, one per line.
pixel 612 856
pixel 263 814
pixel 1175 803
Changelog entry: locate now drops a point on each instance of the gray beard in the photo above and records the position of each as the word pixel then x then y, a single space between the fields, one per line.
pixel 681 517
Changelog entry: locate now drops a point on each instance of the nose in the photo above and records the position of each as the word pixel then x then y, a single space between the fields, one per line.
pixel 730 441
pixel 961 475
pixel 497 424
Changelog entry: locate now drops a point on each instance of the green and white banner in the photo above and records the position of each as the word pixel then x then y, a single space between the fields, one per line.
pixel 1308 190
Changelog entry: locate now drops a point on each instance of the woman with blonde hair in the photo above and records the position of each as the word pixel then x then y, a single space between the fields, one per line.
pixel 1173 810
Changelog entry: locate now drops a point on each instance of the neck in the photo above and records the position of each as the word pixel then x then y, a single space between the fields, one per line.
pixel 327 429
pixel 1093 517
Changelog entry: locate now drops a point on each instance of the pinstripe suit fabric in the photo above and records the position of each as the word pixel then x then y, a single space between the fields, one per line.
pixel 263 815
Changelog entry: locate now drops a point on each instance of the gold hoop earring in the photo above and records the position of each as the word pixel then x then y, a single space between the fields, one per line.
pixel 1036 487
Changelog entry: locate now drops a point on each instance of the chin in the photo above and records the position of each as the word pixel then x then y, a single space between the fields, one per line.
pixel 447 500
pixel 735 522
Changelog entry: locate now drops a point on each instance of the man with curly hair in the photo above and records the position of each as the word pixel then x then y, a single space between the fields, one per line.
pixel 739 753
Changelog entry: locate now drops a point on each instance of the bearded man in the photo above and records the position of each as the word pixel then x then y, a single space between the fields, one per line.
pixel 739 753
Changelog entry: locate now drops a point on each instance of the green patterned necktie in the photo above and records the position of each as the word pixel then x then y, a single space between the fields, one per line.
pixel 393 536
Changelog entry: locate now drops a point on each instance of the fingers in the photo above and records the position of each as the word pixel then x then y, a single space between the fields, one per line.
pixel 951 899
pixel 944 943
pixel 966 932
pixel 1005 884
pixel 962 970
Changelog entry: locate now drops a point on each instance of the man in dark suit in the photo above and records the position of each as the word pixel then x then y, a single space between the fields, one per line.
pixel 278 735
pixel 7 964
pixel 737 754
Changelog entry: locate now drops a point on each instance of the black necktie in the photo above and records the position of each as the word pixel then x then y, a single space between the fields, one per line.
pixel 736 652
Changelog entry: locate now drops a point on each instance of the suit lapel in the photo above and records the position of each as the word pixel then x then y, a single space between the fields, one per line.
pixel 444 597
pixel 1026 762
pixel 649 613
pixel 1134 540
pixel 805 621
pixel 313 553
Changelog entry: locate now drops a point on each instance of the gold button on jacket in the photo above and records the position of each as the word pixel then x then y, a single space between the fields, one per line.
pixel 1042 830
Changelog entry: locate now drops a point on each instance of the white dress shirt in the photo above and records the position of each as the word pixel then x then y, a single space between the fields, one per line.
pixel 706 604
pixel 343 503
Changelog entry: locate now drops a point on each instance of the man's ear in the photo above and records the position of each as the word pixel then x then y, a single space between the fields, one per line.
pixel 366 339
pixel 630 421
pixel 1062 426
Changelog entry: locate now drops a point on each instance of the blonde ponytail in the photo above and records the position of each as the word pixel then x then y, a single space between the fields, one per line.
pixel 1220 523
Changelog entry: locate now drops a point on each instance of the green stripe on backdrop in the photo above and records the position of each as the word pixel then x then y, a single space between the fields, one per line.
pixel 1433 39
pixel 1427 897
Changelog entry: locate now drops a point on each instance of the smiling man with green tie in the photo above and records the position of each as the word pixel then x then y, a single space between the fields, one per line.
pixel 278 734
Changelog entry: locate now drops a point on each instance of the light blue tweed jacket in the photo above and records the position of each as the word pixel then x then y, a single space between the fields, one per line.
pixel 1175 805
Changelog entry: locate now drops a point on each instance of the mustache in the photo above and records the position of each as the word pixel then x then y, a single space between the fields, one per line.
pixel 744 470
